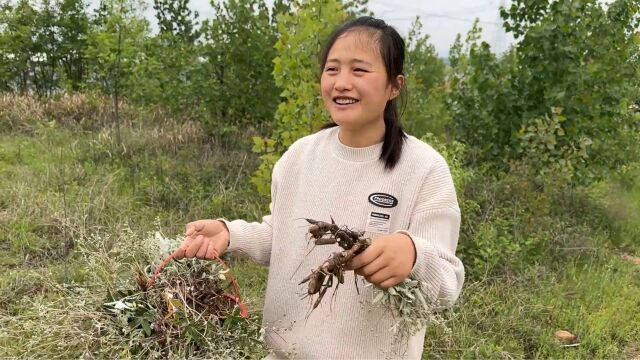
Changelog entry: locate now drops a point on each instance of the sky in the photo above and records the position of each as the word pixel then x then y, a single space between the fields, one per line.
pixel 442 19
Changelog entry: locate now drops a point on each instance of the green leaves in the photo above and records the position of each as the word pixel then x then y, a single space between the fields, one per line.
pixel 410 306
pixel 301 112
pixel 425 74
pixel 115 45
pixel 234 70
pixel 575 55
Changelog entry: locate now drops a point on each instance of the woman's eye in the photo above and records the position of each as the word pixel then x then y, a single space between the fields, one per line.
pixel 360 70
pixel 330 69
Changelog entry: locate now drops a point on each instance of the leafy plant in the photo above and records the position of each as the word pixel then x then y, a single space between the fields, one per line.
pixel 572 54
pixel 301 112
pixel 234 79
pixel 425 74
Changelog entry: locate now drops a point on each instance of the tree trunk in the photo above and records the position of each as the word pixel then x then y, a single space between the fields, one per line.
pixel 116 86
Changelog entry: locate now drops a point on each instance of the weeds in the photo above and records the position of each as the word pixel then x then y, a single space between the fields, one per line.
pixel 184 315
pixel 75 212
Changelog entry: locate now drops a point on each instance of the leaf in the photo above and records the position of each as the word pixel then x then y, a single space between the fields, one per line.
pixel 378 297
pixel 408 293
pixel 422 300
pixel 146 327
pixel 566 337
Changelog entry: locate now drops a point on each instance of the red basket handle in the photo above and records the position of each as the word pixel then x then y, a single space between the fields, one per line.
pixel 232 280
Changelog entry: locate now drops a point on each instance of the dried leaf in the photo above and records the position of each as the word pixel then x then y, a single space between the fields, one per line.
pixel 566 337
pixel 633 259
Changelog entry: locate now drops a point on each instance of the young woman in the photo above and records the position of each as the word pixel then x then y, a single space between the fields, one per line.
pixel 367 174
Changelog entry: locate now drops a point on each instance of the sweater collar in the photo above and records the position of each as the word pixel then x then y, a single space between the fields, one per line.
pixel 348 153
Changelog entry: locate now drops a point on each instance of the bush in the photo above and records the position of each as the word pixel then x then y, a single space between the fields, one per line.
pixel 574 69
pixel 511 220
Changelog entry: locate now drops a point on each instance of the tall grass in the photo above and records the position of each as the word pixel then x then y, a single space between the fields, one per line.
pixel 539 256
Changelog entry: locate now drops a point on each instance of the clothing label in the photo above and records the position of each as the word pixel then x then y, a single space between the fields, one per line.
pixel 383 200
pixel 378 222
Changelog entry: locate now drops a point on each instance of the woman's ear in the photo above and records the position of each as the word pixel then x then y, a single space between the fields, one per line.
pixel 397 86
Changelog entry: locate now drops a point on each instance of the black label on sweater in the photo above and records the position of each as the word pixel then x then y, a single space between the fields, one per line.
pixel 383 200
pixel 378 222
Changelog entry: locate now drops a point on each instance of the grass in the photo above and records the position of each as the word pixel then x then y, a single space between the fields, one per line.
pixel 65 183
pixel 595 297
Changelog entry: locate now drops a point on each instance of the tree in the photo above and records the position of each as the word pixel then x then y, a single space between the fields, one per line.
pixel 235 76
pixel 425 85
pixel 46 49
pixel 175 18
pixel 18 45
pixel 166 72
pixel 560 97
pixel 115 40
pixel 74 28
pixel 302 35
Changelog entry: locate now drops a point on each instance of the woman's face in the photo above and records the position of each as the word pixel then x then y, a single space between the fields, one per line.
pixel 354 83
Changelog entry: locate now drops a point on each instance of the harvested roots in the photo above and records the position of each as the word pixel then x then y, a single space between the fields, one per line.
pixel 146 285
pixel 351 241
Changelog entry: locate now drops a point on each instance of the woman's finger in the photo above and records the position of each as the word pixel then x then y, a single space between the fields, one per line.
pixel 212 252
pixel 179 253
pixel 202 251
pixel 391 282
pixel 194 227
pixel 372 267
pixel 380 276
pixel 193 248
pixel 366 257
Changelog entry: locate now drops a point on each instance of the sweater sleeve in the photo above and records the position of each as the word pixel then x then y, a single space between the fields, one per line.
pixel 434 228
pixel 254 239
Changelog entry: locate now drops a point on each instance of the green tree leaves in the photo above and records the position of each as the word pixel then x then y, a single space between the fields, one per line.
pixel 115 44
pixel 425 74
pixel 235 75
pixel 175 18
pixel 74 29
pixel 19 49
pixel 296 71
pixel 575 55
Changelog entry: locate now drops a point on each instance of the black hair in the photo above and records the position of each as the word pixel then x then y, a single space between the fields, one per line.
pixel 392 51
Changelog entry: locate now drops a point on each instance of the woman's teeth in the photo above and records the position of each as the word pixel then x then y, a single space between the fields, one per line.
pixel 345 101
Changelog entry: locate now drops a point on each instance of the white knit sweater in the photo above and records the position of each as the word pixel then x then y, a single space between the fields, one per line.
pixel 320 177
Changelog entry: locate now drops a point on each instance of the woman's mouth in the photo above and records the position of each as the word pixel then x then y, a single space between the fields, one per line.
pixel 344 100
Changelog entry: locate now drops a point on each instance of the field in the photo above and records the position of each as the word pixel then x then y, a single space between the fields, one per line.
pixel 66 187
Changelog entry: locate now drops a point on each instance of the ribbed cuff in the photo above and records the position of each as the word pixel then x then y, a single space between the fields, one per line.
pixel 425 268
pixel 250 239
pixel 234 234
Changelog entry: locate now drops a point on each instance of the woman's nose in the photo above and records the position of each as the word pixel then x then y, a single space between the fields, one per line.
pixel 343 82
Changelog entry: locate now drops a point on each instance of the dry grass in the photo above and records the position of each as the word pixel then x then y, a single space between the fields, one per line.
pixel 22 113
pixel 76 208
pixel 70 319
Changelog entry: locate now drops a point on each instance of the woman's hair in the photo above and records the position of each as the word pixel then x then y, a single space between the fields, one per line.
pixel 391 48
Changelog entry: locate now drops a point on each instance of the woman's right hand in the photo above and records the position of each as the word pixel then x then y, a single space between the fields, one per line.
pixel 206 239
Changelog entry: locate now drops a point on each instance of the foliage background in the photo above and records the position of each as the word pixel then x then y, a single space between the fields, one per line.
pixel 110 131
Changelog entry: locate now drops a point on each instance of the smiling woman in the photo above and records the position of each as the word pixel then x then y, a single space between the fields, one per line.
pixel 363 61
pixel 356 88
pixel 393 188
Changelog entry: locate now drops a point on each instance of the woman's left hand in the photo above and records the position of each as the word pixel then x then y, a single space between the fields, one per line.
pixel 387 261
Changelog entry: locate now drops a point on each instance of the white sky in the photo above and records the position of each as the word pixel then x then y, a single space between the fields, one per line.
pixel 442 19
